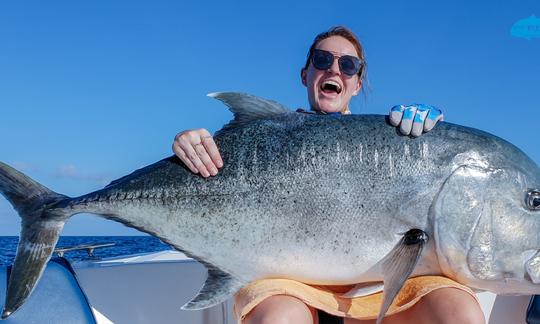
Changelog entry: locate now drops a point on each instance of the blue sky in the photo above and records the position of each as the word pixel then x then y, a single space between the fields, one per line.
pixel 91 90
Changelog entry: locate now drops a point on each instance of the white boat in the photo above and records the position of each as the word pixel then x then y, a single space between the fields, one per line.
pixel 151 288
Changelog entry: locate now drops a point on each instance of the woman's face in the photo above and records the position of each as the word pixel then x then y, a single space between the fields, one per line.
pixel 331 90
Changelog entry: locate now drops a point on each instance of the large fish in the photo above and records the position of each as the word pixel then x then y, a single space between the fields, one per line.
pixel 319 199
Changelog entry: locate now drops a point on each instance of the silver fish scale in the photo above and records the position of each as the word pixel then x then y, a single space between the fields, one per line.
pixel 315 198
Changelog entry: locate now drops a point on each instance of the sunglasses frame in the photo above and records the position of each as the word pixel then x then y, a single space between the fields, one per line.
pixel 358 63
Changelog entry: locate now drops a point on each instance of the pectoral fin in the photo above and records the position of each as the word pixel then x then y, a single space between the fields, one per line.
pixel 217 288
pixel 398 265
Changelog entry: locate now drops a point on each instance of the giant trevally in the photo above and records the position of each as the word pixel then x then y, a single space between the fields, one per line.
pixel 326 200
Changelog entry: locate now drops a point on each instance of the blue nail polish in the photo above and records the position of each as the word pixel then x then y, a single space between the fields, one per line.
pixel 398 108
pixel 418 118
pixel 434 113
pixel 408 114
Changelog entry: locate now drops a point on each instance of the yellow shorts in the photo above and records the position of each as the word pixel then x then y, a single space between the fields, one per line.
pixel 328 298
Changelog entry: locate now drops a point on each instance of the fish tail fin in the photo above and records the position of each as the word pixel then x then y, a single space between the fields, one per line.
pixel 42 220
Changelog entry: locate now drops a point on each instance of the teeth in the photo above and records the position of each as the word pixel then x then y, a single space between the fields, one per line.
pixel 334 83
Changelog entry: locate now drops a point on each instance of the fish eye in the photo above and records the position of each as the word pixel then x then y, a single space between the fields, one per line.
pixel 533 200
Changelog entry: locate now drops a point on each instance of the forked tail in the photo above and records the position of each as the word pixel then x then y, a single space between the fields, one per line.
pixel 41 222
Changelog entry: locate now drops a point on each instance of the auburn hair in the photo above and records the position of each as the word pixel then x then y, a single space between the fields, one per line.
pixel 351 37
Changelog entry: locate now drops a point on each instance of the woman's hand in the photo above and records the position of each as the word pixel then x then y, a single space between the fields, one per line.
pixel 197 149
pixel 415 119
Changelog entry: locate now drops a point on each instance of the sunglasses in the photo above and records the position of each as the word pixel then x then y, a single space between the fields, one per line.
pixel 323 60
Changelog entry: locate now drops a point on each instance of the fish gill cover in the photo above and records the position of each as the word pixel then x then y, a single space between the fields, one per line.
pixel 526 28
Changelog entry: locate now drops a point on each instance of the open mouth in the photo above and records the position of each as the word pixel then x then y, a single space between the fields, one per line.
pixel 532 265
pixel 329 86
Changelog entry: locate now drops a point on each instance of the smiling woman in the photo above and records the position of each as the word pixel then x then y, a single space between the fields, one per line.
pixel 331 82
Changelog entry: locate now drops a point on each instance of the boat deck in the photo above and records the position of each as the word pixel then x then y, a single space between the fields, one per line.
pixel 151 288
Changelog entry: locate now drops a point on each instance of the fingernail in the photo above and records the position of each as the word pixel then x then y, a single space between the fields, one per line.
pixel 408 114
pixel 205 174
pixel 397 108
pixel 213 171
pixel 219 163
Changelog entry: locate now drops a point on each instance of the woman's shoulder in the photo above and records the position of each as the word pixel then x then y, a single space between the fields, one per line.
pixel 302 110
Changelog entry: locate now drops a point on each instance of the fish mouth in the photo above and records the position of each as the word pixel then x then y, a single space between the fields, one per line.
pixel 532 265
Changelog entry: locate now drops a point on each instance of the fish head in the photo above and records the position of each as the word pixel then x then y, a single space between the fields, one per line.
pixel 487 224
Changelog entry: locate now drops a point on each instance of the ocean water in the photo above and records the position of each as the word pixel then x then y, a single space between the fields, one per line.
pixel 124 245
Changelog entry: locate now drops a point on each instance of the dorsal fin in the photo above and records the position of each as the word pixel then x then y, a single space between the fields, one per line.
pixel 247 108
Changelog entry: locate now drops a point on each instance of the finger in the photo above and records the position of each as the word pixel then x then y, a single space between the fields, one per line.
pixel 205 158
pixel 212 150
pixel 396 113
pixel 194 158
pixel 419 119
pixel 208 151
pixel 435 115
pixel 183 157
pixel 407 120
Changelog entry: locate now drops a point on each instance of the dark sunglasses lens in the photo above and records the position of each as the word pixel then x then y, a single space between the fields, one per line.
pixel 349 65
pixel 322 60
